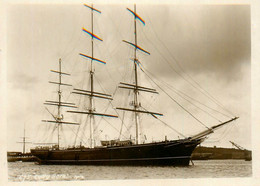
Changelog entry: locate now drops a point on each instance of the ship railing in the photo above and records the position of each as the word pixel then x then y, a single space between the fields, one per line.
pixel 43 147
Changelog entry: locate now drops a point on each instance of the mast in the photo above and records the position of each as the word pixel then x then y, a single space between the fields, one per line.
pixel 59 114
pixel 91 93
pixel 91 81
pixel 135 87
pixel 58 120
pixel 24 140
pixel 136 84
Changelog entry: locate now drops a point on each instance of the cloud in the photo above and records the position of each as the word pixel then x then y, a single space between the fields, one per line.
pixel 204 39
pixel 23 81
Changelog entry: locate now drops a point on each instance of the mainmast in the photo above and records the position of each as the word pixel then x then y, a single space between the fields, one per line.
pixel 59 118
pixel 91 81
pixel 135 87
pixel 91 93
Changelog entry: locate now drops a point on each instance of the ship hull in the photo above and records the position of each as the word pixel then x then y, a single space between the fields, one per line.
pixel 168 153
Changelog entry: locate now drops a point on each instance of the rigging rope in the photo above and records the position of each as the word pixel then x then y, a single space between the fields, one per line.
pixel 75 134
pixel 112 125
pixel 174 89
pixel 176 101
pixel 200 88
pixel 169 126
pixel 84 128
pixel 191 102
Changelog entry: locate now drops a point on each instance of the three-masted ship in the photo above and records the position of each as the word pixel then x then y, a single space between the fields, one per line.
pixel 117 152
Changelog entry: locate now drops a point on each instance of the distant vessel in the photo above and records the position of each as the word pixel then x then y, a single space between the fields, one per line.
pixel 21 156
pixel 117 152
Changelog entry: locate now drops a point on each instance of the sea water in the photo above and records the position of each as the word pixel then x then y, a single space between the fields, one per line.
pixel 29 171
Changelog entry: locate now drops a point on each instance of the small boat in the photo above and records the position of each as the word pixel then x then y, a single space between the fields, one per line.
pixel 19 156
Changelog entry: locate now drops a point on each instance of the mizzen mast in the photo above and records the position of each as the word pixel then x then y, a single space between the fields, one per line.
pixel 59 118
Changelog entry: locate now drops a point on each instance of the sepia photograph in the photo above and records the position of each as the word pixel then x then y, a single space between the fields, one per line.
pixel 127 90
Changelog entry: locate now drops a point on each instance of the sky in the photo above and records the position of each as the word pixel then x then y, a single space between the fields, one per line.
pixel 208 44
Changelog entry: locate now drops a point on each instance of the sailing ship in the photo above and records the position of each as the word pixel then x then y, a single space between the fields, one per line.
pixel 117 152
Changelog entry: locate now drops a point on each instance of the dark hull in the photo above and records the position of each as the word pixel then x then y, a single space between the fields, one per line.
pixel 168 153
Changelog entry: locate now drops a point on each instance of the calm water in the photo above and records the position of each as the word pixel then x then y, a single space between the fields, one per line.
pixel 28 171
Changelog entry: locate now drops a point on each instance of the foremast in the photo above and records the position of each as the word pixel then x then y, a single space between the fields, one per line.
pixel 91 93
pixel 135 86
pixel 137 108
pixel 58 119
pixel 136 83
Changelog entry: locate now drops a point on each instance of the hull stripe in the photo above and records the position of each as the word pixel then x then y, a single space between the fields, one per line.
pixel 133 159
